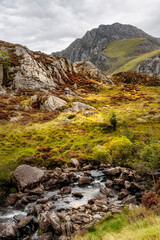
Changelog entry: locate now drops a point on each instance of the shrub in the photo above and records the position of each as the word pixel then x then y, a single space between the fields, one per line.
pixel 150 155
pixel 121 149
pixel 113 121
pixel 101 154
pixel 150 199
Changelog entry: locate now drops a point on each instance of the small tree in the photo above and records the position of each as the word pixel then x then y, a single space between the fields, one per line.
pixel 113 121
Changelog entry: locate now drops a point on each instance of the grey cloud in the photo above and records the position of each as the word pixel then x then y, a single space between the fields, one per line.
pixel 51 25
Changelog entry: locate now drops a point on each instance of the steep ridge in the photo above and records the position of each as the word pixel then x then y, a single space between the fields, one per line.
pixel 92 45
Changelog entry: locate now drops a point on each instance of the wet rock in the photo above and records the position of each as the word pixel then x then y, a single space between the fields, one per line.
pixel 48 206
pixel 43 221
pixel 25 221
pixel 37 191
pixel 127 175
pixel 101 201
pixel 129 199
pixel 87 167
pixel 77 195
pixel 118 184
pixel 67 228
pixel 8 230
pixel 11 199
pixel 65 190
pixel 84 181
pixel 54 221
pixel 81 218
pixel 104 190
pixel 109 183
pixel 112 171
pixel 27 176
pixel 42 200
pixel 18 217
pixel 32 198
pixel 124 193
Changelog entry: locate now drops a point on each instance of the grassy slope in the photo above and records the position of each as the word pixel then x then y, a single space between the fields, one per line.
pixel 138 224
pixel 119 58
pixel 81 134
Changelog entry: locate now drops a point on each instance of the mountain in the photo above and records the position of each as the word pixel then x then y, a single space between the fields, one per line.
pixel 110 47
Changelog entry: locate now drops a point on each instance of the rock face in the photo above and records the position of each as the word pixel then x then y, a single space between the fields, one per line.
pixel 91 45
pixel 91 70
pixel 27 176
pixel 150 66
pixel 38 71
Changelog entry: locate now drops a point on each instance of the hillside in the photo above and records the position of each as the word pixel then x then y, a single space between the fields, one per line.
pixel 110 47
pixel 76 147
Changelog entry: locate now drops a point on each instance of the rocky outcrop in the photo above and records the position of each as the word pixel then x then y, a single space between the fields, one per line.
pixel 27 176
pixel 90 47
pixel 91 70
pixel 38 71
pixel 150 66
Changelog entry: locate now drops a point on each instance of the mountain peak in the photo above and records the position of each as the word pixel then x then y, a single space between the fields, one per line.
pixel 91 46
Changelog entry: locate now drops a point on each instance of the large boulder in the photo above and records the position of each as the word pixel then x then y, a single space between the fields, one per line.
pixel 8 230
pixel 52 103
pixel 47 103
pixel 79 107
pixel 27 176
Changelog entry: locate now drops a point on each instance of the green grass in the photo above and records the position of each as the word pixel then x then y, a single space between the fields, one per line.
pixel 78 138
pixel 131 65
pixel 122 56
pixel 145 226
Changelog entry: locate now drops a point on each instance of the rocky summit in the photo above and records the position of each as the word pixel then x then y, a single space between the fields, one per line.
pixel 108 44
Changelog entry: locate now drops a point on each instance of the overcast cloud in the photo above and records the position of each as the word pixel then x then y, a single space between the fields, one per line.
pixel 51 25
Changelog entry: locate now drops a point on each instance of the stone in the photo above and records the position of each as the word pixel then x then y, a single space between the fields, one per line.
pixel 27 176
pixel 129 199
pixel 79 107
pixel 84 181
pixel 112 171
pixel 25 221
pixel 141 120
pixel 109 183
pixel 43 221
pixel 12 199
pixel 104 190
pixel 8 230
pixel 51 103
pixel 77 195
pixel 45 236
pixel 66 190
pixel 81 218
pixel 124 193
pixel 54 221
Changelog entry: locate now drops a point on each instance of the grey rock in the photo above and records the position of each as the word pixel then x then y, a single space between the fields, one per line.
pixel 27 176
pixel 8 230
pixel 51 103
pixel 150 66
pixel 79 107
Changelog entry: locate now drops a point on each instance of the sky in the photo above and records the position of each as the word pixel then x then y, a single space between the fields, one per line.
pixel 51 25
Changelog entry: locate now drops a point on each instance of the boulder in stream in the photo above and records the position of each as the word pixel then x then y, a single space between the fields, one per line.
pixel 27 176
